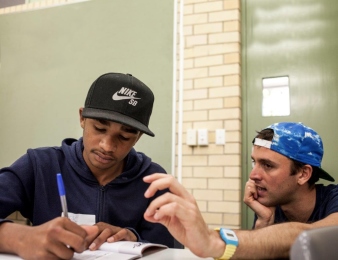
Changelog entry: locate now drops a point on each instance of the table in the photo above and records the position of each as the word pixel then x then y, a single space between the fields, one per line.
pixel 165 254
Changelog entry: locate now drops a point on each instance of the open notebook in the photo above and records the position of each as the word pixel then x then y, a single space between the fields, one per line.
pixel 121 250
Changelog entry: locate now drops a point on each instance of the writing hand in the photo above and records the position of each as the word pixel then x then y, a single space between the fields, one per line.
pixel 110 233
pixel 265 214
pixel 55 239
pixel 178 211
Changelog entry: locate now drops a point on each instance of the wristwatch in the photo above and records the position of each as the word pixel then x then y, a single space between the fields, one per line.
pixel 231 241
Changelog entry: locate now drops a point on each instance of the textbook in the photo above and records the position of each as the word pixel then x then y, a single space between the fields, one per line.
pixel 121 250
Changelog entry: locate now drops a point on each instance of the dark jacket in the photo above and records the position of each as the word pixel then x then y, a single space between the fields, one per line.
pixel 29 185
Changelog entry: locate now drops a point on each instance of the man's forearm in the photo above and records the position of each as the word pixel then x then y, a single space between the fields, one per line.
pixel 270 242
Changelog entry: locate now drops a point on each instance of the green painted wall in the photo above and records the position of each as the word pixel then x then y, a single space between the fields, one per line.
pixel 50 57
pixel 296 39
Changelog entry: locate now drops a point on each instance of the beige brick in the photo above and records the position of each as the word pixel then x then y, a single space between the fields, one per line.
pixel 196 51
pixel 202 205
pixel 188 8
pixel 208 7
pixel 226 184
pixel 213 218
pixel 198 160
pixel 208 82
pixel 208 124
pixel 214 195
pixel 232 80
pixel 227 91
pixel 195 19
pixel 186 125
pixel 223 48
pixel 232 148
pixel 208 103
pixel 195 115
pixel 187 30
pixel 225 37
pixel 232 102
pixel 224 206
pixel 227 69
pixel 208 172
pixel 227 113
pixel 194 183
pixel 227 159
pixel 195 94
pixel 210 149
pixel 232 58
pixel 231 47
pixel 207 28
pixel 232 4
pixel 233 125
pixel 199 51
pixel 233 136
pixel 232 195
pixel 188 64
pixel 196 40
pixel 232 26
pixel 193 1
pixel 229 15
pixel 187 149
pixel 187 171
pixel 197 73
pixel 188 84
pixel 209 61
pixel 188 105
pixel 232 219
pixel 232 171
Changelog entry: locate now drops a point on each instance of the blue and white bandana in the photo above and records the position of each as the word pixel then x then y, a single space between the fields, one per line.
pixel 298 142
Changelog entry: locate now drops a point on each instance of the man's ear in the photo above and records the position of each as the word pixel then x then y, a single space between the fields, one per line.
pixel 82 119
pixel 305 174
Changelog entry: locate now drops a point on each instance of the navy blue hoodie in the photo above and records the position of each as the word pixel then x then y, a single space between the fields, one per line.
pixel 29 185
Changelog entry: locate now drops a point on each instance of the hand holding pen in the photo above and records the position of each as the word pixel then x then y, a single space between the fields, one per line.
pixel 62 193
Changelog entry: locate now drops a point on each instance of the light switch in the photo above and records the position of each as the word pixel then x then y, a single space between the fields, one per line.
pixel 202 137
pixel 191 137
pixel 220 137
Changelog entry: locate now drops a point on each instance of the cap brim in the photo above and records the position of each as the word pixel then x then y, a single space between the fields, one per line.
pixel 116 117
pixel 324 175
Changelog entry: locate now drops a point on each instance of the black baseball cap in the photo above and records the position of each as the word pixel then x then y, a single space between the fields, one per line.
pixel 121 98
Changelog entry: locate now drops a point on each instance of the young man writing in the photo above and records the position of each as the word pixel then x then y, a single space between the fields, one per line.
pixel 102 174
pixel 282 192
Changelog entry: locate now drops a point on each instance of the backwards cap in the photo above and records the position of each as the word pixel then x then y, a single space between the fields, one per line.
pixel 298 142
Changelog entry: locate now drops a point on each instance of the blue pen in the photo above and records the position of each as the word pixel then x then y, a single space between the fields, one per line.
pixel 62 193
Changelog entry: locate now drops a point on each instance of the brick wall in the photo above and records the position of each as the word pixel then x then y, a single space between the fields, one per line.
pixel 212 100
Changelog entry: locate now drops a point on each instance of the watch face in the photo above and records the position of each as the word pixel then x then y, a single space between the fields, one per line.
pixel 229 236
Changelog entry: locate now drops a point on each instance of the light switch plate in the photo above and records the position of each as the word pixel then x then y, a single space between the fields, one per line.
pixel 202 138
pixel 220 136
pixel 191 137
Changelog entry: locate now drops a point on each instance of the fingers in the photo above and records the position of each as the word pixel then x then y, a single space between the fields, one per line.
pixel 110 233
pixel 123 234
pixel 100 239
pixel 250 192
pixel 160 181
pixel 171 205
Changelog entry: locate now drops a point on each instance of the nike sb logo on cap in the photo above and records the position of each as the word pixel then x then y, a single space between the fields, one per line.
pixel 125 93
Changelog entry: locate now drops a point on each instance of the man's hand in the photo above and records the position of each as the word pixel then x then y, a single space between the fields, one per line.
pixel 110 233
pixel 56 239
pixel 265 215
pixel 178 211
